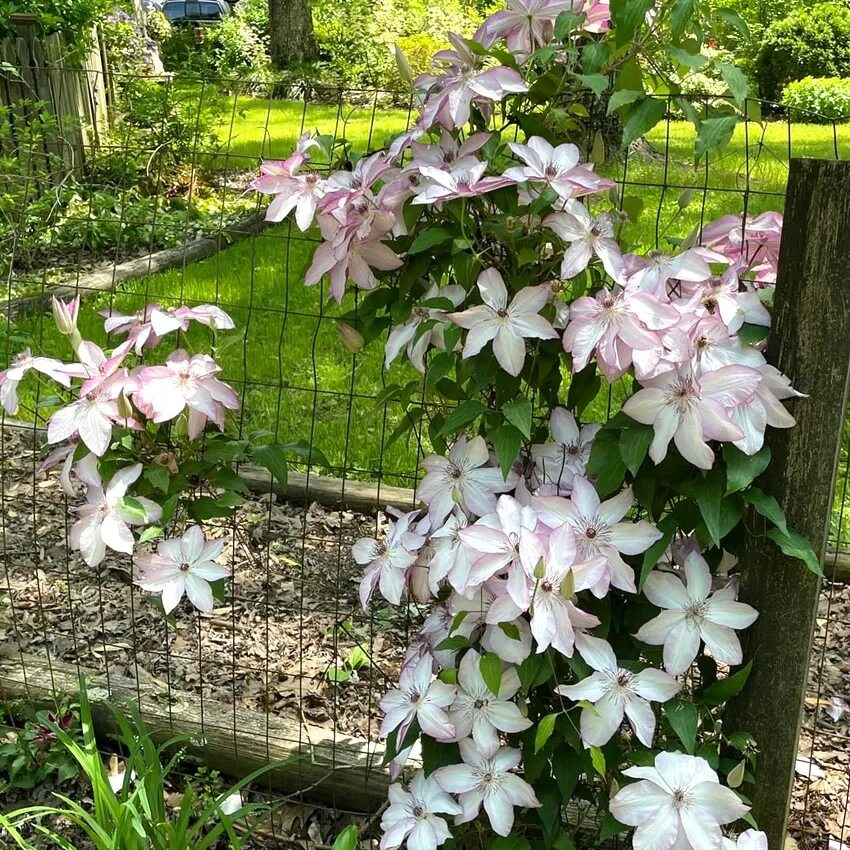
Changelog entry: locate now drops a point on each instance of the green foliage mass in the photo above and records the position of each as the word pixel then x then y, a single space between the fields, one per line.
pixel 813 41
pixel 818 99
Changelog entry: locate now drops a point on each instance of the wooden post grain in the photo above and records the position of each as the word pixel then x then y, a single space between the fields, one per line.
pixel 809 342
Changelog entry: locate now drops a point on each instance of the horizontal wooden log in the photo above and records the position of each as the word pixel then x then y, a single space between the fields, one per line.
pixel 148 264
pixel 320 765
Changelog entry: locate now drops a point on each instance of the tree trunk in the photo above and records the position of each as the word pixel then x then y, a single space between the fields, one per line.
pixel 291 26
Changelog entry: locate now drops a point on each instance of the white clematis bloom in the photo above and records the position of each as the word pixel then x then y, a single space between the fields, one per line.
pixel 413 815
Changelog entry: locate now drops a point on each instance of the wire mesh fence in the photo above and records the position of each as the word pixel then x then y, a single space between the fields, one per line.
pixel 162 212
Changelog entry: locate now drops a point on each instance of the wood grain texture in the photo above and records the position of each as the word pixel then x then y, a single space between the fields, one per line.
pixel 809 342
pixel 336 769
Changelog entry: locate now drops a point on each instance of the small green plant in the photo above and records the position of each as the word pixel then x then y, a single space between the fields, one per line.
pixel 356 659
pixel 135 816
pixel 818 100
pixel 33 754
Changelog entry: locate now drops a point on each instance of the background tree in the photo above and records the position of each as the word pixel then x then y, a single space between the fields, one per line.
pixel 291 29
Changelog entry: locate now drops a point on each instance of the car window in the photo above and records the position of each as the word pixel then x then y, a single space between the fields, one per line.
pixel 174 10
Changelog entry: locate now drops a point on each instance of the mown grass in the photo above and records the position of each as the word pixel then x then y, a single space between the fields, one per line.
pixel 296 378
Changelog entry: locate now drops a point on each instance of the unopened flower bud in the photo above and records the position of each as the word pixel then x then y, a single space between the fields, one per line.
pixel 350 338
pixel 568 585
pixel 615 788
pixel 125 409
pixel 65 315
pixel 736 775
pixel 540 569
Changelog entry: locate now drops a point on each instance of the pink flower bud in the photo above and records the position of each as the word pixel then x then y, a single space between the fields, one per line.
pixel 350 338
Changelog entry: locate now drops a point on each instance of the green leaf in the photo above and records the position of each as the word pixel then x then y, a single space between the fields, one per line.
pixel 667 526
pixel 510 631
pixel 634 444
pixel 507 442
pixel 272 458
pixel 683 718
pixel 735 79
pixel 150 533
pixel 748 334
pixel 565 23
pixel 767 506
pixel 606 465
pixel 347 839
pixel 428 238
pixel 544 731
pixel 642 117
pixel 623 97
pixel 158 476
pixel 597 83
pixel 708 494
pixel 724 689
pixel 627 16
pixel 490 667
pixel 694 61
pixel 436 754
pixel 584 387
pixel 682 12
pixel 742 469
pixel 610 827
pixel 735 21
pixel 793 543
pixel 518 412
pixel 204 508
pixel 713 133
pixel 597 758
pixel 168 508
pixel 454 643
pixel 462 416
pixel 566 768
pixel 510 842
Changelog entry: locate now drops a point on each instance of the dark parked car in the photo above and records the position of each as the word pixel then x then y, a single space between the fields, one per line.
pixel 191 12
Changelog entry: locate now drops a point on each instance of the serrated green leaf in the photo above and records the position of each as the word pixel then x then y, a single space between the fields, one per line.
pixel 158 476
pixel 597 83
pixel 518 412
pixel 545 728
pixel 490 667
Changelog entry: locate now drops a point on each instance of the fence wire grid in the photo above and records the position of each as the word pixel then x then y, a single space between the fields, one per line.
pixel 291 661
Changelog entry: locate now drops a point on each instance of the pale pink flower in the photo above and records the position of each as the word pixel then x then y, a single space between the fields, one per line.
pixel 104 521
pixel 65 315
pixel 388 561
pixel 464 180
pixel 419 696
pixel 486 778
pixel 448 153
pixel 557 167
pixel 299 192
pixel 506 325
pixel 408 335
pixel 479 712
pixel 693 613
pixel 677 803
pixel 181 565
pixel 600 531
pixel 451 558
pixel 659 268
pixel 165 320
pixel 90 418
pixel 164 392
pixel 764 409
pixel 598 15
pixel 691 410
pixel 714 347
pixel 614 692
pixel 527 24
pixel 750 839
pixel 413 816
pixel 723 297
pixel 20 365
pixel 465 478
pixel 503 542
pixel 614 324
pixel 570 450
pixel 587 236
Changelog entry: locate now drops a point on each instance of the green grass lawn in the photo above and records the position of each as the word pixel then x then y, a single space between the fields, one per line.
pixel 297 379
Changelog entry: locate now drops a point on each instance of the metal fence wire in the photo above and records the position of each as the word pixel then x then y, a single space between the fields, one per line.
pixel 161 211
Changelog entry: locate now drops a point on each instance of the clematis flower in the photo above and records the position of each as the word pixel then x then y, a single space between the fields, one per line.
pixel 659 268
pixel 20 365
pixel 387 561
pixel 587 236
pixel 722 296
pixel 556 167
pixel 65 315
pixel 181 565
pixel 448 152
pixel 691 410
pixel 465 180
pixel 599 530
pixel 555 616
pixel 104 520
pixel 465 478
pixel 507 325
pixel 764 409
pixel 615 692
pixel 693 613
pixel 299 192
pixel 614 324
pixel 481 713
pixel 572 445
pixel 451 558
pixel 678 802
pixel 526 24
pixel 503 542
pixel 751 839
pixel 185 383
pixel 485 778
pixel 90 418
pixel 413 816
pixel 419 696
pixel 407 334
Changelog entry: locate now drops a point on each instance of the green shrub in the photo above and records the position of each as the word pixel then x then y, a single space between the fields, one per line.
pixel 233 50
pixel 809 42
pixel 820 100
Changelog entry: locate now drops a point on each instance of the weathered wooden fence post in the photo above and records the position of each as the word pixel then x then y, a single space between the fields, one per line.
pixel 810 342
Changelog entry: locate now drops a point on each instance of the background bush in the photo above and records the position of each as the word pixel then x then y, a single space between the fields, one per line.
pixel 823 99
pixel 809 42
